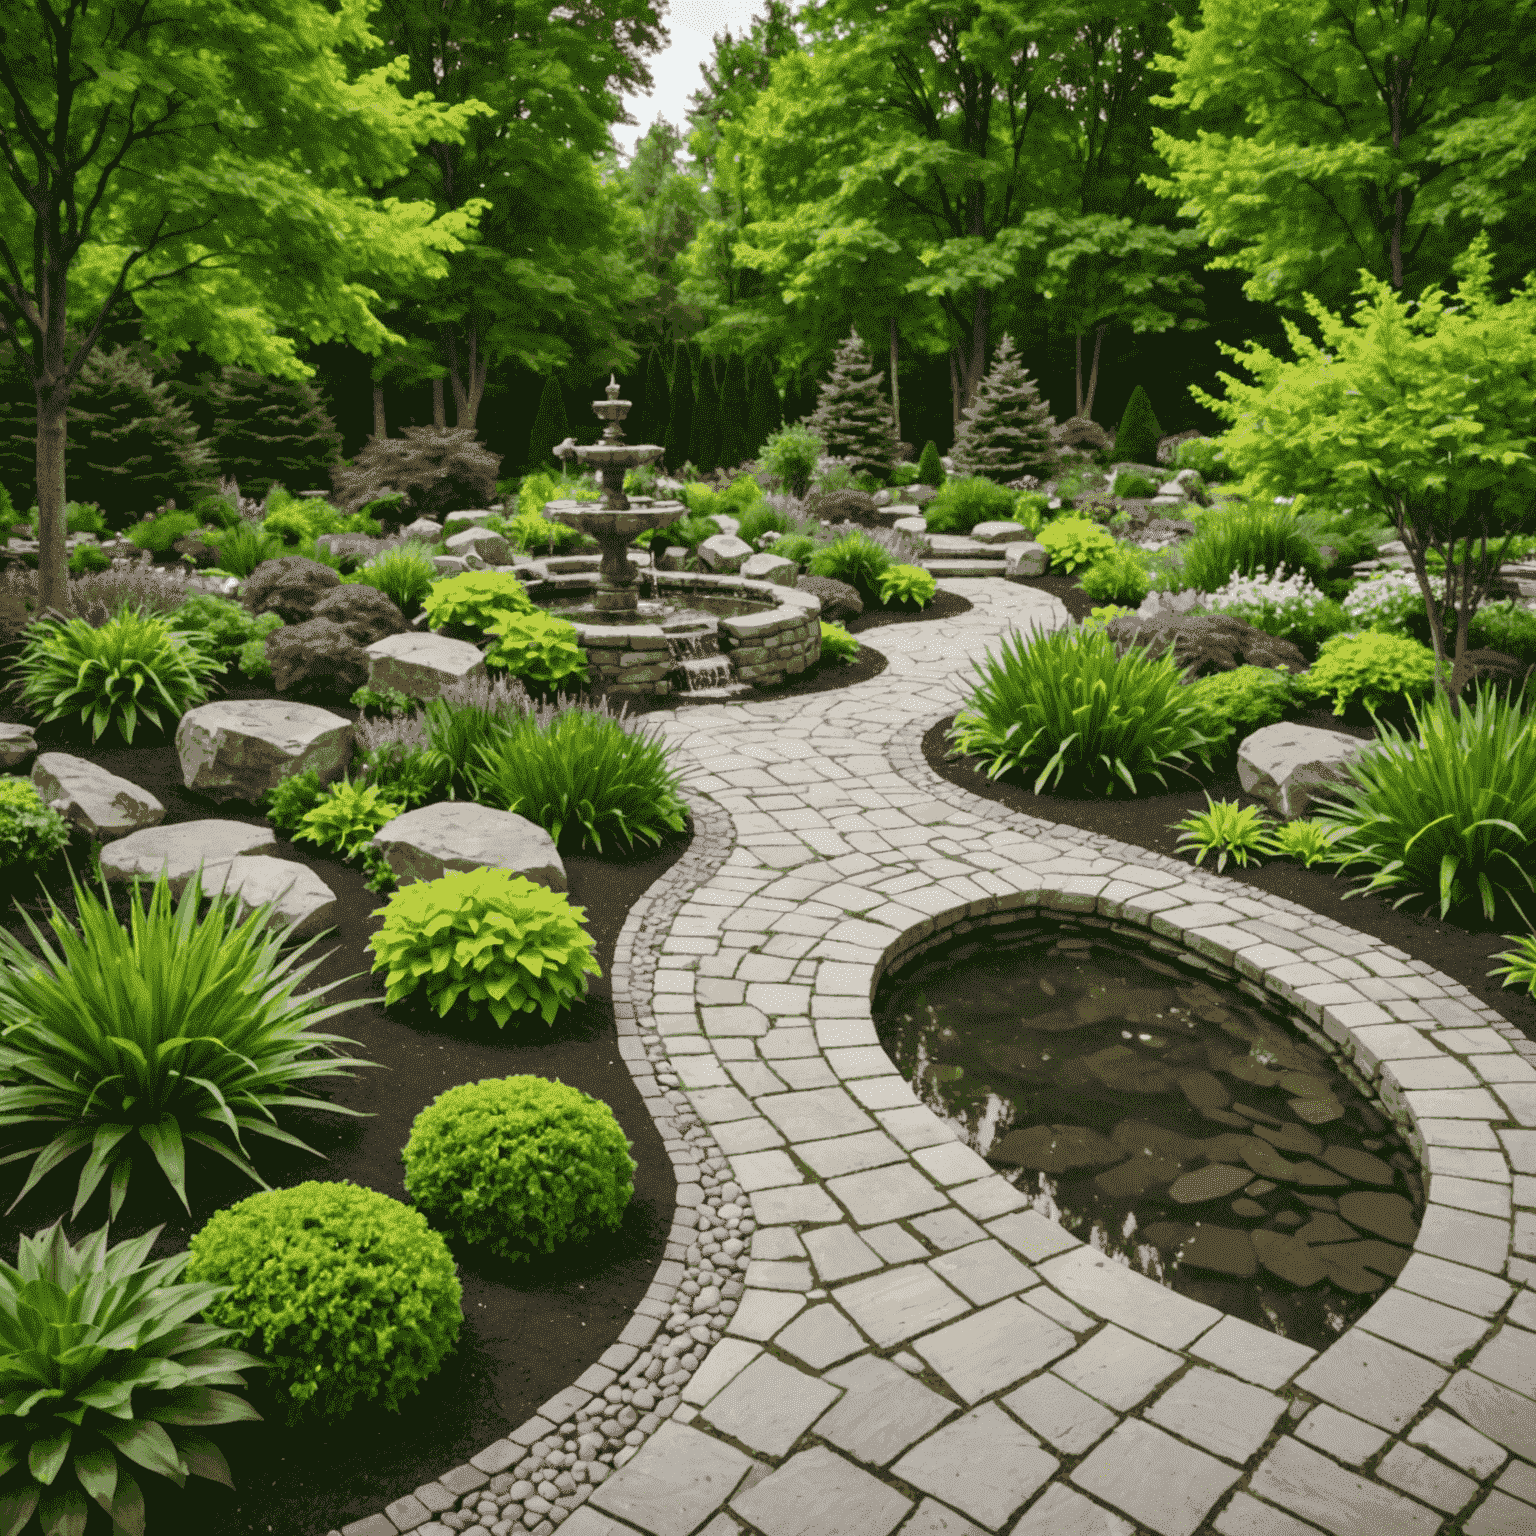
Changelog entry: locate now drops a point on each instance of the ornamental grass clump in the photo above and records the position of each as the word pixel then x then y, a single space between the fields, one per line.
pixel 856 559
pixel 520 1165
pixel 1244 542
pixel 964 502
pixel 463 718
pixel 491 938
pixel 404 574
pixel 104 1374
pixel 1224 828
pixel 1447 810
pixel 179 1027
pixel 1064 705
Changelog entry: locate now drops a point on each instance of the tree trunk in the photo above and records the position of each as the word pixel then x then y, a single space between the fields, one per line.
pixel 379 428
pixel 1086 408
pixel 973 361
pixel 52 435
pixel 1077 341
pixel 467 392
pixel 895 386
pixel 954 386
pixel 439 408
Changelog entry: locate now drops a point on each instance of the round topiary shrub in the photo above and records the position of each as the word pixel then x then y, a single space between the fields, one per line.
pixel 348 1296
pixel 520 1164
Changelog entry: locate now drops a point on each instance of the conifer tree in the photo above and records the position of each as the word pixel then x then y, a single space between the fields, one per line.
pixel 1137 436
pixel 549 427
pixel 733 413
pixel 655 402
pixel 271 430
pixel 764 412
pixel 704 444
pixel 1005 432
pixel 930 469
pixel 852 415
pixel 680 418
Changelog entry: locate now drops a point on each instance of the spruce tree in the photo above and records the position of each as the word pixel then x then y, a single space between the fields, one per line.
pixel 680 418
pixel 852 416
pixel 1137 436
pixel 1005 432
pixel 704 444
pixel 655 400
pixel 764 412
pixel 268 431
pixel 930 469
pixel 733 414
pixel 549 427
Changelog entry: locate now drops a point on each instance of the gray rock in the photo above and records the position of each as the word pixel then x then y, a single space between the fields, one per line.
pixel 1001 532
pixel 425 529
pixel 1025 560
pixel 458 522
pixel 1284 764
pixel 1206 642
pixel 482 543
pixel 839 601
pixel 724 553
pixel 770 567
pixel 305 904
pixel 316 660
pixel 1168 446
pixel 289 586
pixel 458 834
pixel 181 850
pixel 912 524
pixel 238 749
pixel 674 558
pixel 883 498
pixel 728 524
pixel 363 611
pixel 1171 488
pixel 919 495
pixel 100 803
pixel 452 565
pixel 421 666
pixel 17 744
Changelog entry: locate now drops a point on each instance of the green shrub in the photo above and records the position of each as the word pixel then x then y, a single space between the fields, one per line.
pixel 404 575
pixel 1128 484
pixel 1138 434
pixel 489 937
pixel 135 665
pixel 761 519
pixel 137 1039
pixel 471 601
pixel 1391 602
pixel 1203 455
pixel 1505 626
pixel 906 586
pixel 790 456
pixel 404 773
pixel 1120 577
pixel 1519 968
pixel 1244 700
pixel 216 512
pixel 157 534
pixel 798 547
pixel 856 559
pixel 344 820
pixel 930 469
pixel 389 702
pixel 1308 842
pixel 1244 542
pixel 1075 541
pixel 299 520
pixel 101 1359
pixel 87 559
pixel 30 832
pixel 79 517
pixel 293 798
pixel 243 547
pixel 1224 827
pixel 519 1164
pixel 538 649
pixel 1032 509
pixel 254 666
pixel 1064 705
pixel 1447 810
pixel 689 532
pixel 1369 668
pixel 347 1295
pixel 836 643
pixel 221 628
pixel 904 474
pixel 961 504
pixel 537 489
pixel 537 535
pixel 583 776
pixel 439 469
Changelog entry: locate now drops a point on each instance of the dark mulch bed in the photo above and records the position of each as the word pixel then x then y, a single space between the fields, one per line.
pixel 1066 590
pixel 945 605
pixel 1462 952
pixel 529 1330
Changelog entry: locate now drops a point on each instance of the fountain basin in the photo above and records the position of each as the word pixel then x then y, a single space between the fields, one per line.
pixel 594 518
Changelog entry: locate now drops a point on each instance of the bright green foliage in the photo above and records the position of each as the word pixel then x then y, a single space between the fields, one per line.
pixel 1107 614
pixel 856 559
pixel 791 455
pixel 299 519
pixel 1224 828
pixel 79 517
pixel 30 832
pixel 271 431
pixel 349 1296
pixel 292 799
pixel 139 1039
pixel 536 647
pixel 100 1359
pixel 537 535
pixel 1202 454
pixel 471 600
pixel 1129 484
pixel 541 488
pixel 135 665
pixel 88 559
pixel 216 512
pixel 1121 577
pixel 1244 700
pixel 1369 669
pixel 550 426
pixel 520 1165
pixel 1506 626
pixel 930 471
pixel 405 772
pixel 405 575
pixel 1031 510
pixel 1063 705
pixel 906 586
pixel 1244 542
pixel 583 777
pixel 243 547
pixel 254 666
pixel 489 937
pixel 1075 541
pixel 758 520
pixel 1138 434
pixel 346 818
pixel 798 547
pixel 1519 968
pixel 1005 432
pixel 964 502
pixel 1308 842
pixel 389 702
pixel 157 534
pixel 837 644
pixel 1447 810
pixel 220 627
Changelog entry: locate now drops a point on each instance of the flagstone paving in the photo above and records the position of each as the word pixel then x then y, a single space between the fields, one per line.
pixel 859 1329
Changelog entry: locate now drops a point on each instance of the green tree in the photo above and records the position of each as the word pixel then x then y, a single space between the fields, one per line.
pixel 765 412
pixel 549 426
pixel 654 406
pixel 207 163
pixel 930 470
pixel 1323 136
pixel 733 413
pixel 268 431
pixel 1005 432
pixel 852 416
pixel 704 440
pixel 1137 436
pixel 680 418
pixel 1417 409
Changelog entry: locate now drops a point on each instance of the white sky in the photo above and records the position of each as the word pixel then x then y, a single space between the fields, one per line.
pixel 693 24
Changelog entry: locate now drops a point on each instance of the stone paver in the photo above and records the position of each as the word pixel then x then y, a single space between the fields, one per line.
pixel 1154 1478
pixel 984 1464
pixel 819 1493
pixel 993 1349
pixel 1228 1417
pixel 882 1410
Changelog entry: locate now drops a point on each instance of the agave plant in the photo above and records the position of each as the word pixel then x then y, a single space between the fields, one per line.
pixel 175 1029
pixel 100 1368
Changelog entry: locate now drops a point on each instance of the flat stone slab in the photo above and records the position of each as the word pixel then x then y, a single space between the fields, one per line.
pixel 984 1464
pixel 818 1493
pixel 1168 1486
pixel 422 665
pixel 1025 560
pixel 768 566
pixel 678 1478
pixel 304 903
pixel 1001 532
pixel 484 543
pixel 725 553
pixel 238 749
pixel 101 804
pixel 458 834
pixel 17 744
pixel 181 849
pixel 1286 764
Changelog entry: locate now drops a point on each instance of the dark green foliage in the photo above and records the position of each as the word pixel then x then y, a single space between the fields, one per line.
pixel 704 442
pixel 765 414
pixel 680 416
pixel 930 471
pixel 245 546
pixel 962 503
pixel 292 799
pixel 1005 432
pixel 271 430
pixel 1130 484
pixel 549 426
pixel 855 559
pixel 220 627
pixel 1138 434
pixel 30 832
pixel 1246 541
pixel 734 449
pixel 404 575
pixel 655 403
pixel 1505 626
pixel 438 469
pixel 853 414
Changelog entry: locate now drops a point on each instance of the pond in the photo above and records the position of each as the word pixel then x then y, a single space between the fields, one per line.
pixel 1171 1122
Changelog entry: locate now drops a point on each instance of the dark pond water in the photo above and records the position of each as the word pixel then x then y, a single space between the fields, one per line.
pixel 1165 1119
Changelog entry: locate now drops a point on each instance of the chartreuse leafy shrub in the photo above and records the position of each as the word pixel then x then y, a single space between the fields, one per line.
pixel 1224 828
pixel 405 575
pixel 1131 485
pixel 1244 700
pixel 1121 577
pixel 1369 669
pixel 837 644
pixel 486 936
pixel 1308 842
pixel 520 1165
pixel 471 601
pixel 856 559
pixel 136 664
pixel 798 547
pixel 1504 626
pixel 963 503
pixel 906 586
pixel 30 832
pixel 88 559
pixel 534 534
pixel 582 775
pixel 157 534
pixel 1063 705
pixel 1245 541
pixel 537 648
pixel 348 1296
pixel 220 628
pixel 1075 541
pixel 1445 811
pixel 345 818
pixel 791 455
pixel 129 1041
pixel 254 666
pixel 1031 509
pixel 105 1373
pixel 1202 454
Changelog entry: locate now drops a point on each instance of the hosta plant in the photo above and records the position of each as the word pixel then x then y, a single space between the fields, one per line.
pixel 346 818
pixel 537 648
pixel 136 665
pixel 471 601
pixel 138 1039
pixel 490 938
pixel 1369 668
pixel 837 644
pixel 1308 842
pixel 906 586
pixel 103 1373
pixel 1074 541
pixel 1224 828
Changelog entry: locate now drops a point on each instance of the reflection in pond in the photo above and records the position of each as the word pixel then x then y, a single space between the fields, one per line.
pixel 1165 1119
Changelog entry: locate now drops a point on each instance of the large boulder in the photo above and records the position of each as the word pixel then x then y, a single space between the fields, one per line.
pixel 771 567
pixel 458 834
pixel 724 553
pixel 483 543
pixel 919 495
pixel 423 529
pixel 1205 642
pixel 363 611
pixel 238 749
pixel 17 744
pixel 458 522
pixel 182 850
pixel 422 665
pixel 101 804
pixel 1001 532
pixel 1026 560
pixel 316 660
pixel 303 903
pixel 1285 764
pixel 839 601
pixel 850 506
pixel 289 586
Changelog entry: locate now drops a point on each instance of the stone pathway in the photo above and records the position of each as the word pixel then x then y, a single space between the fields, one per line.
pixel 860 1329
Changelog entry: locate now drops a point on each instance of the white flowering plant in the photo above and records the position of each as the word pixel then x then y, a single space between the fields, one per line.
pixel 1287 607
pixel 1389 600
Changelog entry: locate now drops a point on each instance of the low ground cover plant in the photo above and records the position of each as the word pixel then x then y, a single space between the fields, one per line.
pixel 537 648
pixel 221 628
pixel 1246 699
pixel 906 586
pixel 290 800
pixel 30 832
pixel 962 503
pixel 1129 484
pixel 1308 842
pixel 471 601
pixel 1072 542
pixel 345 818
pixel 1389 601
pixel 520 1164
pixel 837 644
pixel 1370 668
pixel 1121 577
pixel 1226 829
